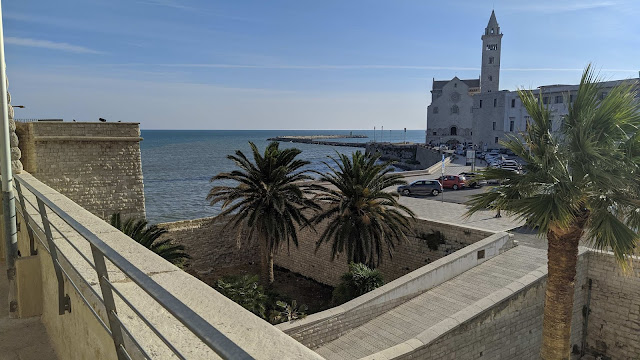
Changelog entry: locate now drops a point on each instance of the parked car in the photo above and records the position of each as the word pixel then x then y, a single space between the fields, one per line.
pixel 471 180
pixel 511 165
pixel 454 182
pixel 421 187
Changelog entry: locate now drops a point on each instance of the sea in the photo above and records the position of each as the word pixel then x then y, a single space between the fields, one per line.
pixel 177 165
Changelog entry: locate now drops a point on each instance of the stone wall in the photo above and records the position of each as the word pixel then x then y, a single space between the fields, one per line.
pixel 212 247
pixel 97 165
pixel 614 320
pixel 510 328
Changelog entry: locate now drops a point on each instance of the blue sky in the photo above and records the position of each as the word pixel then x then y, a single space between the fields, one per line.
pixel 297 64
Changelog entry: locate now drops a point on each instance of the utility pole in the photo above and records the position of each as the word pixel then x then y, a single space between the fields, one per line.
pixel 8 200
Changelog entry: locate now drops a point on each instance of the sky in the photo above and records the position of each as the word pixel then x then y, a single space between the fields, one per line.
pixel 293 64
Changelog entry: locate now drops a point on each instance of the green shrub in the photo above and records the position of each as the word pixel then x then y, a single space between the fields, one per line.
pixel 359 280
pixel 285 312
pixel 245 291
pixel 433 239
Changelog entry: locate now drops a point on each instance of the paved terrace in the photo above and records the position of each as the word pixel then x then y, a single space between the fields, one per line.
pixel 21 339
pixel 437 304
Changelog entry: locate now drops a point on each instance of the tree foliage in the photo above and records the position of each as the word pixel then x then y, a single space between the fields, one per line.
pixel 362 218
pixel 268 196
pixel 359 280
pixel 149 236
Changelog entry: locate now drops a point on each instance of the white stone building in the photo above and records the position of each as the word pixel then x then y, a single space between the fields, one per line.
pixel 476 112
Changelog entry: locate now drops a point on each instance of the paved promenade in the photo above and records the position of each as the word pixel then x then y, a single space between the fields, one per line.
pixel 21 339
pixel 426 310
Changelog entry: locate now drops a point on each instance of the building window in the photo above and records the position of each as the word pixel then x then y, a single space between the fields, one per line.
pixel 480 104
pixel 494 125
pixel 545 100
pixel 495 140
pixel 455 109
pixel 492 30
pixel 491 60
pixel 603 95
pixel 490 78
pixel 571 98
pixel 455 85
pixel 511 125
pixel 513 103
pixel 492 46
pixel 495 102
pixel 454 131
pixel 558 99
pixel 434 133
pixel 435 109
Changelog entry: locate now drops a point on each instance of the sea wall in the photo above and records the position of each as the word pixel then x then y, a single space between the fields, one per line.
pixel 97 165
pixel 212 247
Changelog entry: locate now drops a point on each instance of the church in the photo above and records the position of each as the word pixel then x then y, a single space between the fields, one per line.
pixel 475 112
pixel 450 117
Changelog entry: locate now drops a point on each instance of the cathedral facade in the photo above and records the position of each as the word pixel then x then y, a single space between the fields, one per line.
pixel 452 115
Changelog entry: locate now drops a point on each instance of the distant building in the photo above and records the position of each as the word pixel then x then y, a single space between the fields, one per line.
pixel 476 112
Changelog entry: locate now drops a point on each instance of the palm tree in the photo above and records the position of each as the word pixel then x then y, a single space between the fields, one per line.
pixel 267 197
pixel 582 183
pixel 148 236
pixel 362 219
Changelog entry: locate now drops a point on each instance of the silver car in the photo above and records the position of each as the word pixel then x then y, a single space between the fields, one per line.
pixel 421 187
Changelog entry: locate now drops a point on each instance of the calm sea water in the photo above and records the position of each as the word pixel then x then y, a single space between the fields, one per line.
pixel 178 164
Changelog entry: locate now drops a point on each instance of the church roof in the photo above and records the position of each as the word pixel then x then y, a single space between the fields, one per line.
pixel 472 83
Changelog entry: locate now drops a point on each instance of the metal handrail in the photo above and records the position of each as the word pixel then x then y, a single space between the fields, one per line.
pixel 208 334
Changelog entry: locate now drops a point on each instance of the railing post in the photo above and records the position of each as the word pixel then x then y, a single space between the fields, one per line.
pixel 64 303
pixel 25 217
pixel 109 302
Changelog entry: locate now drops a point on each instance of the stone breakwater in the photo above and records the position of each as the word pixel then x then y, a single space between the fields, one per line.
pixel 314 139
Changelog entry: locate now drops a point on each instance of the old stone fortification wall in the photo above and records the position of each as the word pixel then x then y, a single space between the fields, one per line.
pixel 321 328
pixel 97 165
pixel 211 247
pixel 505 325
pixel 408 256
pixel 614 320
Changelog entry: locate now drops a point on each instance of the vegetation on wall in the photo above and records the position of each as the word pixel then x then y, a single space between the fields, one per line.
pixel 247 292
pixel 359 280
pixel 433 239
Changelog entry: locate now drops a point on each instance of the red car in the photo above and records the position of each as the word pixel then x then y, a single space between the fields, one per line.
pixel 454 182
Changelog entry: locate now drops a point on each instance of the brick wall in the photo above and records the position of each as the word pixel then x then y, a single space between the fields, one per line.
pixel 614 321
pixel 97 165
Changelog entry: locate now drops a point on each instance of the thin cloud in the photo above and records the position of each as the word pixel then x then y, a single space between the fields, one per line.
pixel 46 44
pixel 558 6
pixel 366 67
pixel 166 3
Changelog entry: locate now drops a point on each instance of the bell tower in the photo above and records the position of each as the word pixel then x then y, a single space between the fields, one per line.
pixel 491 48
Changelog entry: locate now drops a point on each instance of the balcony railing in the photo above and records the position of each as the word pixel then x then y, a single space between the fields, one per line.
pixel 36 210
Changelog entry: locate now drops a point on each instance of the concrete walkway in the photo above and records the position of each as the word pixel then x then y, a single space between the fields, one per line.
pixel 21 339
pixel 420 313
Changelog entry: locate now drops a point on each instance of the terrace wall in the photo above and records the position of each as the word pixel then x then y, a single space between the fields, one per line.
pixel 97 165
pixel 212 247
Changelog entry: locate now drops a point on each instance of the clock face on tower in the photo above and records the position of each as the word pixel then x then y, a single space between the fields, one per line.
pixel 455 96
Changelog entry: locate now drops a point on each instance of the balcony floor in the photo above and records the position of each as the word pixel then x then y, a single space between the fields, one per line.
pixel 21 339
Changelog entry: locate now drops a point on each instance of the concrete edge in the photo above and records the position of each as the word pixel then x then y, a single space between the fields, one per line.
pixel 403 281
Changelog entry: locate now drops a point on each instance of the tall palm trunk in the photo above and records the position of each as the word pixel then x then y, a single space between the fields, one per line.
pixel 558 309
pixel 266 263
